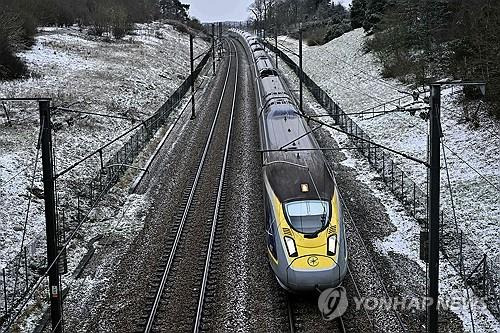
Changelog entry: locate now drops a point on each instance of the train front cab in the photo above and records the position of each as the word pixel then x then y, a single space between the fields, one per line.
pixel 300 261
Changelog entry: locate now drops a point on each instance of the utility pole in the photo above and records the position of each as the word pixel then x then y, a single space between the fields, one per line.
pixel 276 36
pixel 213 47
pixel 434 196
pixel 191 52
pixel 264 25
pixel 301 76
pixel 276 45
pixel 50 217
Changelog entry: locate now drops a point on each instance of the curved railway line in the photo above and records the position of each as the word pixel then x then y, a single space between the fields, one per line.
pixel 184 267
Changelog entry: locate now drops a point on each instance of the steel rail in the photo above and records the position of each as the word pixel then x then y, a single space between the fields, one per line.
pixel 166 272
pixel 292 319
pixel 372 264
pixel 341 325
pixel 291 316
pixel 199 311
pixel 359 295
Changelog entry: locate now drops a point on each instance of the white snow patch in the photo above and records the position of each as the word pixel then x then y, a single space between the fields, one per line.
pixel 352 78
pixel 405 240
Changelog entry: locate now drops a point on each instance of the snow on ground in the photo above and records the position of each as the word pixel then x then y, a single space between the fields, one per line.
pixel 352 78
pixel 129 78
pixel 404 240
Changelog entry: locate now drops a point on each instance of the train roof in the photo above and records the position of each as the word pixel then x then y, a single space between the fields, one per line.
pixel 265 68
pixel 302 162
pixel 286 171
pixel 261 54
pixel 257 47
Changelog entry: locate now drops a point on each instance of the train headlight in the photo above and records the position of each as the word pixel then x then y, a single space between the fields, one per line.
pixel 332 245
pixel 290 246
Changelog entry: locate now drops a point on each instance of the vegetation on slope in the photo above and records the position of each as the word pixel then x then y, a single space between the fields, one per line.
pixel 420 41
pixel 19 19
pixel 321 20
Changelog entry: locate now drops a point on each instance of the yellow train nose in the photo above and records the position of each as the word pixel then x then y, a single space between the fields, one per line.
pixel 313 272
pixel 312 262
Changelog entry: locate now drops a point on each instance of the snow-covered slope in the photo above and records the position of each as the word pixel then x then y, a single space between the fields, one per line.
pixel 129 78
pixel 352 78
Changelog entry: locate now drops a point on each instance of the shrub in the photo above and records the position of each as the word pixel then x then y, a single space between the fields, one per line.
pixel 11 67
pixel 13 37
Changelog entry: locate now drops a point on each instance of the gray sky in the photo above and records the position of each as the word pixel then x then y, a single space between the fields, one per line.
pixel 219 10
pixel 226 10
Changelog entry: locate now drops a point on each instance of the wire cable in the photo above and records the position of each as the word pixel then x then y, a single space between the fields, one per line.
pixel 449 186
pixel 30 198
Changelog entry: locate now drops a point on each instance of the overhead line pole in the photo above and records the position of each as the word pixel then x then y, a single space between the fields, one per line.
pixel 301 76
pixel 213 47
pixel 276 37
pixel 191 52
pixel 434 196
pixel 50 217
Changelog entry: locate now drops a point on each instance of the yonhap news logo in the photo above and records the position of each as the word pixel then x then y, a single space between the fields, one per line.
pixel 332 303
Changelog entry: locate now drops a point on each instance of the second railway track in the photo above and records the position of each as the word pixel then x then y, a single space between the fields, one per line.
pixel 176 298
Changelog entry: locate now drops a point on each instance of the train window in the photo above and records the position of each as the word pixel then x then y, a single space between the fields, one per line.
pixel 268 72
pixel 289 113
pixel 307 216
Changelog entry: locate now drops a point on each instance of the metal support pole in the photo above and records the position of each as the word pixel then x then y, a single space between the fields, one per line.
pixel 461 263
pixel 213 47
pixel 485 262
pixel 26 267
pixel 5 291
pixel 434 186
pixel 50 218
pixel 276 45
pixel 301 76
pixel 191 52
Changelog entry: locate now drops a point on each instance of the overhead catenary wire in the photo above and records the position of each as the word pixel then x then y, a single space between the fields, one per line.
pixel 380 80
pixel 95 114
pixel 453 152
pixel 78 227
pixel 365 140
pixel 30 198
pixel 95 152
pixel 50 265
pixel 450 188
pixel 14 177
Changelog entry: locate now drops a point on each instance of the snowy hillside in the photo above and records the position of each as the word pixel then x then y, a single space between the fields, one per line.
pixel 129 78
pixel 352 78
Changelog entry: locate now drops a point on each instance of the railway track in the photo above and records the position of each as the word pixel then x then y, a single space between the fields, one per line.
pixel 392 320
pixel 177 295
pixel 304 316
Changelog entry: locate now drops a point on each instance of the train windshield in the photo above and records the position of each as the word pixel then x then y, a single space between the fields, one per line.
pixel 308 216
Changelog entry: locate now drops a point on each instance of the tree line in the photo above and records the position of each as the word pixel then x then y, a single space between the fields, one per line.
pixel 420 41
pixel 19 20
pixel 321 20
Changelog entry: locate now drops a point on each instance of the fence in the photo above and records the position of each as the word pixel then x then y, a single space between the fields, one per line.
pixel 23 272
pixel 475 268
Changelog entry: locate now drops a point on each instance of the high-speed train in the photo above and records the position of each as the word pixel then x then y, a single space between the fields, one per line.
pixel 306 241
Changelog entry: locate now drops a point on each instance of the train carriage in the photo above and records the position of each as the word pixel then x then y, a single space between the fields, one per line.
pixel 304 219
